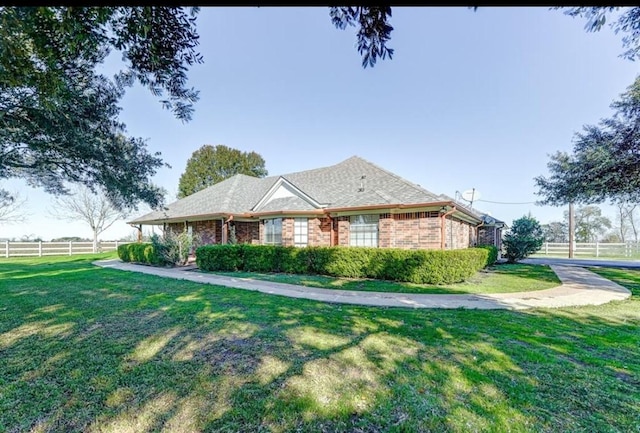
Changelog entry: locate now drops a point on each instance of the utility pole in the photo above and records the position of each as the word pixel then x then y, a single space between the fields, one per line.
pixel 572 229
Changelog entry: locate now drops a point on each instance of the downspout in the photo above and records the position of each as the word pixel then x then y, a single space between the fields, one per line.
pixel 331 231
pixel 225 229
pixel 442 228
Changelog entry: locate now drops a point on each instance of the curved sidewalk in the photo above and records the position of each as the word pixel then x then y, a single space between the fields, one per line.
pixel 579 287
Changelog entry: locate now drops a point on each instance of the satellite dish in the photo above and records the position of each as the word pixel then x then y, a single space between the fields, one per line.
pixel 470 195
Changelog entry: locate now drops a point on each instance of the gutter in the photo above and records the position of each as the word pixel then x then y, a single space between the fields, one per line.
pixel 322 211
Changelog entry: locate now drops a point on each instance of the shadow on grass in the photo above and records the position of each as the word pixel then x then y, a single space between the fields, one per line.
pixel 117 351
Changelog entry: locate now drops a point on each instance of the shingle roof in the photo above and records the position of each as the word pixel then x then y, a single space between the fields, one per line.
pixel 352 182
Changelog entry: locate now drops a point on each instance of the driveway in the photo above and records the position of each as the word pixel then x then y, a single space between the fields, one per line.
pixel 579 287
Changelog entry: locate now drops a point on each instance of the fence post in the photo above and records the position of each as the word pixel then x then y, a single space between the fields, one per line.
pixel 597 249
pixel 6 249
pixel 116 245
pixel 546 248
pixel 70 247
pixel 39 248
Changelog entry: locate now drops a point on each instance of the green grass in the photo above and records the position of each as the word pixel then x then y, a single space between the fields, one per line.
pixel 504 278
pixel 91 349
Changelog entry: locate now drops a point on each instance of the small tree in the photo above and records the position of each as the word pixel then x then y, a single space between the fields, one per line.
pixel 524 238
pixel 174 248
pixel 12 208
pixel 94 210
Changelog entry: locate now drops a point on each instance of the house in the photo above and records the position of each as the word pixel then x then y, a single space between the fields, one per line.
pixel 352 203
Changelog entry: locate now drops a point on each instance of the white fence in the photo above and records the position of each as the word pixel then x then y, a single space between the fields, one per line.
pixel 40 249
pixel 593 249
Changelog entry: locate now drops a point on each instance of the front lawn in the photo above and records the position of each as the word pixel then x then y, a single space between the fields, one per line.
pixel 504 278
pixel 99 350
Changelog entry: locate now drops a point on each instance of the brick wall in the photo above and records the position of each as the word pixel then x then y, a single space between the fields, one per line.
pixel 486 236
pixel 210 231
pixel 413 230
pixel 457 234
pixel 287 231
pixel 247 232
pixel 319 232
pixel 343 231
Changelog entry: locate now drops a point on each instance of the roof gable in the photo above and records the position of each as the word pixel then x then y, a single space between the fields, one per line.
pixel 282 189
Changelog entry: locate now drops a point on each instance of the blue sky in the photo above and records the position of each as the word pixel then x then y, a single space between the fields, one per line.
pixel 470 100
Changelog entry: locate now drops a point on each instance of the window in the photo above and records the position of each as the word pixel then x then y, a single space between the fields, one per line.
pixel 273 231
pixel 363 230
pixel 300 232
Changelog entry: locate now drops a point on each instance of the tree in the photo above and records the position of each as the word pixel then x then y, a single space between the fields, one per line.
pixel 59 117
pixel 212 164
pixel 83 205
pixel 556 231
pixel 12 208
pixel 524 238
pixel 626 221
pixel 590 223
pixel 605 163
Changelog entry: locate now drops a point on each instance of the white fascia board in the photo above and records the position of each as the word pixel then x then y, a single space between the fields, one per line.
pixel 283 188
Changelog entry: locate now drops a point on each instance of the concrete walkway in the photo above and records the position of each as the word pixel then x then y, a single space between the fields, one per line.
pixel 579 287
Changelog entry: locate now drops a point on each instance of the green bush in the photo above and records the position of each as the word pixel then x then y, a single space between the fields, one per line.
pixel 292 260
pixel 259 258
pixel 493 253
pixel 139 253
pixel 416 266
pixel 220 258
pixel 525 237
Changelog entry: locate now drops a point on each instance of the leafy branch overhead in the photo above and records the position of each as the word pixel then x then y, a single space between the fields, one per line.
pixel 374 30
pixel 373 33
pixel 59 116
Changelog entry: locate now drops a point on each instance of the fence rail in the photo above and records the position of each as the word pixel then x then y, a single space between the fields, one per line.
pixel 591 249
pixel 40 249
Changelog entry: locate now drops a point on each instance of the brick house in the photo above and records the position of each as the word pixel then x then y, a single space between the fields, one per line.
pixel 352 203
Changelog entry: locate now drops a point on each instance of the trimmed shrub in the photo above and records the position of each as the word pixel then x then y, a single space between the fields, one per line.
pixel 293 260
pixel 493 253
pixel 220 257
pixel 259 258
pixel 415 266
pixel 139 253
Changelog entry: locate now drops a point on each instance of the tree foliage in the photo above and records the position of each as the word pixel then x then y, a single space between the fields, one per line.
pixel 59 116
pixel 212 164
pixel 374 30
pixel 556 231
pixel 373 33
pixel 524 238
pixel 628 23
pixel 590 224
pixel 605 163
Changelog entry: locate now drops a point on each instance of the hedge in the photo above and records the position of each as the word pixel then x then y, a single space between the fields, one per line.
pixel 493 253
pixel 415 266
pixel 139 253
